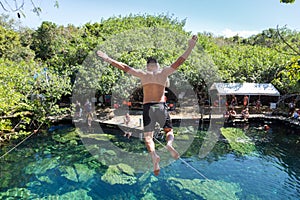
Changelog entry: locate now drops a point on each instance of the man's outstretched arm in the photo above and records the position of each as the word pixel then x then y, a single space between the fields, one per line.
pixel 191 44
pixel 117 64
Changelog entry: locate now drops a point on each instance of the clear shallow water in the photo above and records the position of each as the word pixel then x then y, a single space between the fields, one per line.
pixel 43 168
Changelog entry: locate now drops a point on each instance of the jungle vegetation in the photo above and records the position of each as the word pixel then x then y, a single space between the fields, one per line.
pixel 39 68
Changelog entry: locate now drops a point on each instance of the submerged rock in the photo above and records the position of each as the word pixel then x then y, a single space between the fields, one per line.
pixel 69 173
pixel 144 177
pixel 42 166
pixel 33 184
pixel 5 178
pixel 78 173
pixel 145 182
pixel 45 179
pixel 238 140
pixel 119 174
pixel 18 193
pixel 77 194
pixel 208 189
pixel 84 173
pixel 149 196
pixel 65 137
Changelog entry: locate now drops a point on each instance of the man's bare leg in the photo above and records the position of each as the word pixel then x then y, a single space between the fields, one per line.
pixel 170 139
pixel 151 149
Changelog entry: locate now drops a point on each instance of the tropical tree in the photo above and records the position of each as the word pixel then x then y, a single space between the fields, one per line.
pixel 287 43
pixel 288 79
pixel 247 63
pixel 287 1
pixel 29 93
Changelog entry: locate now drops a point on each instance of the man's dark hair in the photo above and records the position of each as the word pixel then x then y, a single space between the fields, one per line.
pixel 151 60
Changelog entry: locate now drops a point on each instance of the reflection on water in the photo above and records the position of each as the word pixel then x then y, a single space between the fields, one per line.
pixel 56 166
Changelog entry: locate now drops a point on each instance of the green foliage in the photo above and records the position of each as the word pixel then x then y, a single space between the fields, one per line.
pixel 115 25
pixel 285 44
pixel 281 39
pixel 246 63
pixel 29 90
pixel 5 125
pixel 288 79
pixel 29 93
pixel 14 89
pixel 44 40
pixel 287 1
pixel 7 22
pixel 10 42
pixel 7 48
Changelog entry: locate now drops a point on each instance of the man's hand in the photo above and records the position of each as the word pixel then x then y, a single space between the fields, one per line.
pixel 103 55
pixel 192 42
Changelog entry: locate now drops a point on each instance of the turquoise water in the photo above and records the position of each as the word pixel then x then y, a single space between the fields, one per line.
pixel 49 166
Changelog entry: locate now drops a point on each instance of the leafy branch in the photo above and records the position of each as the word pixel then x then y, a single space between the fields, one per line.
pixel 287 1
pixel 288 44
pixel 18 6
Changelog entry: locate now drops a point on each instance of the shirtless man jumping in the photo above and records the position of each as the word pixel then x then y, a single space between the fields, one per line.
pixel 154 106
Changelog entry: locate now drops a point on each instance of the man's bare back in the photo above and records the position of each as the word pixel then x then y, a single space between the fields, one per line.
pixel 154 84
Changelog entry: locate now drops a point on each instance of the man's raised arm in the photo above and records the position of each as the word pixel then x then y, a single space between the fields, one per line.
pixel 119 65
pixel 191 44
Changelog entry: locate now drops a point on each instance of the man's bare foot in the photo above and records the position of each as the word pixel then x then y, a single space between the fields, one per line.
pixel 173 152
pixel 156 165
